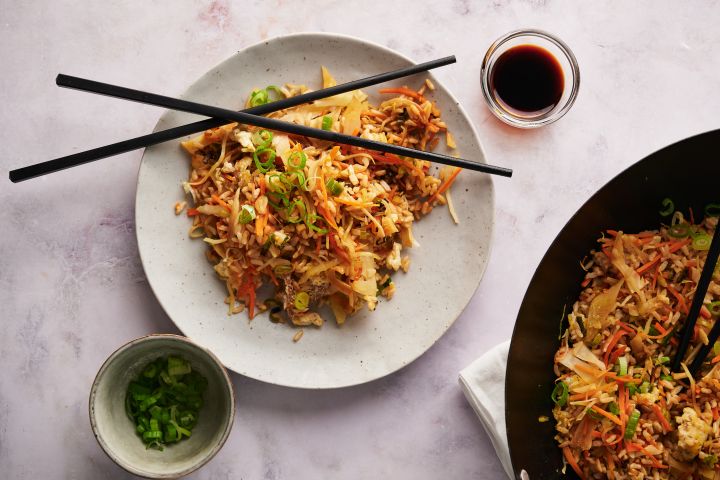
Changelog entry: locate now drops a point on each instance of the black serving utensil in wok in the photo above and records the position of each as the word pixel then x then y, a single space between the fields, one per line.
pixel 689 173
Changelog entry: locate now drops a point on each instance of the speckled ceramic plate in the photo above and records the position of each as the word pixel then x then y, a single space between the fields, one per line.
pixel 445 271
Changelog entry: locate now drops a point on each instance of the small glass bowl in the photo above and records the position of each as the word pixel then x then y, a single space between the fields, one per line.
pixel 556 47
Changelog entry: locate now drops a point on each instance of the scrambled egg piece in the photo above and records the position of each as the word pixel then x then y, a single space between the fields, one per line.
pixel 693 431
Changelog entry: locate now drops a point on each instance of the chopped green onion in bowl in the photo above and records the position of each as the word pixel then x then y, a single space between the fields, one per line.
pixel 164 401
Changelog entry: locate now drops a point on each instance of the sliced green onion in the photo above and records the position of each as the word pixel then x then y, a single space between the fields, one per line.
pixel 310 223
pixel 714 308
pixel 667 378
pixel 174 387
pixel 297 160
pixel 668 207
pixel 623 366
pixel 171 433
pixel 278 183
pixel 302 301
pixel 710 460
pixel 701 241
pixel 178 366
pixel 247 214
pixel 614 409
pixel 712 210
pixel 152 435
pixel 653 331
pixel 275 89
pixel 155 412
pixel 259 97
pixel 301 181
pixel 681 230
pixel 269 162
pixel 334 187
pixel 645 387
pixel 632 424
pixel 150 371
pixel 632 389
pixel 327 122
pixel 559 394
pixel 262 138
pixel 662 360
pixel 282 269
pixel 298 205
pixel 136 389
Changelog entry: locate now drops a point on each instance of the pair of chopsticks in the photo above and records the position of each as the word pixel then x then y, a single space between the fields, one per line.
pixel 698 299
pixel 252 116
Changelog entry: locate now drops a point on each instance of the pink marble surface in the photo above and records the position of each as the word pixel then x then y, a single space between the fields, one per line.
pixel 72 288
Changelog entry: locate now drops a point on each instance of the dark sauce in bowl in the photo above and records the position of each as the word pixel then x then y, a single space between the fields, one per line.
pixel 527 80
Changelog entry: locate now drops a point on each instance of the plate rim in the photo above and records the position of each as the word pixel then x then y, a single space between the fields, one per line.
pixel 461 111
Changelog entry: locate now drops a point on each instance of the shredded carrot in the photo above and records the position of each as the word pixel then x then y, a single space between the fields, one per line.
pixel 621 406
pixel 610 465
pixel 586 282
pixel 626 327
pixel 634 447
pixel 192 212
pixel 572 462
pixel 605 414
pixel 674 248
pixel 615 355
pixel 611 344
pixel 716 414
pixel 660 328
pixel 705 313
pixel 655 277
pixel 679 298
pixel 715 360
pixel 661 418
pixel 649 265
pixel 221 202
pixel 444 186
pixel 402 91
pixel 273 278
pixel 625 379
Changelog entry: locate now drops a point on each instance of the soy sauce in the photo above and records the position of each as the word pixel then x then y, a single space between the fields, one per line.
pixel 527 80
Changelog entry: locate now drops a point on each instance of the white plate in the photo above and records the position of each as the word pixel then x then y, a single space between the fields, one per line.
pixel 444 273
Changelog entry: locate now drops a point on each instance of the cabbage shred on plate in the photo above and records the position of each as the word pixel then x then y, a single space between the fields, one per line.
pixel 621 412
pixel 323 223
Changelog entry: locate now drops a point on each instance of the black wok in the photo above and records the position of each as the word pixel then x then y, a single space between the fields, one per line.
pixel 689 173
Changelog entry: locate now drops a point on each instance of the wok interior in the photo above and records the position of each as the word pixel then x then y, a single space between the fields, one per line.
pixel 687 172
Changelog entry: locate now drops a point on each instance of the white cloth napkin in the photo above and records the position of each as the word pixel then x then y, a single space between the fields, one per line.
pixel 483 383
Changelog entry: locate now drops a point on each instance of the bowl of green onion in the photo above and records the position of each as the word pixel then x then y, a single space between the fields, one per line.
pixel 161 406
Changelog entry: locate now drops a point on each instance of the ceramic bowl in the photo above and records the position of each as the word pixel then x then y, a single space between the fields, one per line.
pixel 115 430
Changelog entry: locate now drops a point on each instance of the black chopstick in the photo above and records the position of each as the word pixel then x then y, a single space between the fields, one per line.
pixel 698 298
pixel 270 123
pixel 143 141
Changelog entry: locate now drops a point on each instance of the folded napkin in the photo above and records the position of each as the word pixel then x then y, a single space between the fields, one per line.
pixel 483 383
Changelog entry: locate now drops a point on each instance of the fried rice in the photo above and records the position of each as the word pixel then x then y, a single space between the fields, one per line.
pixel 321 223
pixel 620 412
